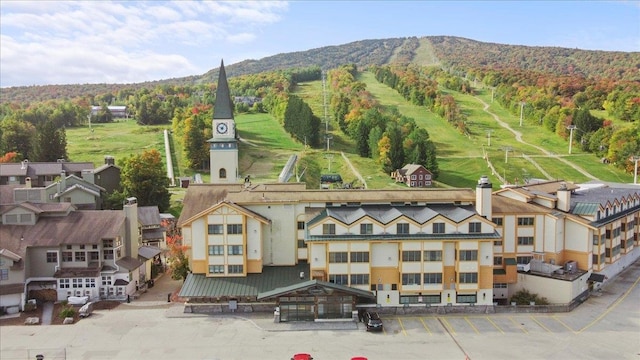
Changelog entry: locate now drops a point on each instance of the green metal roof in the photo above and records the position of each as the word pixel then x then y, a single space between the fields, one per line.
pixel 317 284
pixel 585 208
pixel 440 237
pixel 272 277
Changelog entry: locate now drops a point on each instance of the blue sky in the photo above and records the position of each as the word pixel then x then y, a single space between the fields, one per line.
pixel 77 42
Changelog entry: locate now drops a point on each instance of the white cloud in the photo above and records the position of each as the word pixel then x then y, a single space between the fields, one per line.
pixel 55 42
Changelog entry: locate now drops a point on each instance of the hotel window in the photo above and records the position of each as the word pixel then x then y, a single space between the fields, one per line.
pixel 64 284
pixel 4 274
pixel 339 279
pixel 433 255
pixel 525 221
pixel 301 244
pixel 234 250
pixel 108 255
pixel 468 255
pixel 366 229
pixel 338 257
pixel 468 278
pixel 475 228
pixel 402 228
pixel 94 256
pixel 106 280
pixel 236 269
pixel 497 243
pixel 596 239
pixel 500 285
pixel 359 279
pixel 467 299
pixel 525 240
pixel 438 228
pixel 234 229
pixel 89 283
pixel 411 279
pixel 300 225
pixel 359 256
pixel 413 177
pixel 67 256
pixel 411 255
pixel 328 229
pixel 216 269
pixel 497 260
pixel 215 229
pixel 80 256
pixel 216 249
pixel 76 283
pixel 52 257
pixel 523 260
pixel 222 174
pixel 432 278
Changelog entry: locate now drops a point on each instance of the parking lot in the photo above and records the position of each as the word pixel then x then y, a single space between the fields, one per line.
pixel 606 326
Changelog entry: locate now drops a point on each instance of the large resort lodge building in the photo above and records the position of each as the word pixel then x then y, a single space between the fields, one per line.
pixel 441 247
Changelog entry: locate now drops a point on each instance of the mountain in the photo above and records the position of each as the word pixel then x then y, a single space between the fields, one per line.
pixel 445 51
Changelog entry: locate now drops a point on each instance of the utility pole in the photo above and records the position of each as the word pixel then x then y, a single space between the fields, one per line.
pixel 571 128
pixel 489 137
pixel 506 153
pixel 329 137
pixel 635 159
pixel 522 103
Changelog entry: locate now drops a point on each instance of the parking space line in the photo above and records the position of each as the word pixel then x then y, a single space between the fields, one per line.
pixel 494 324
pixel 470 324
pixel 425 326
pixel 613 306
pixel 539 323
pixel 446 325
pixel 563 324
pixel 519 325
pixel 402 327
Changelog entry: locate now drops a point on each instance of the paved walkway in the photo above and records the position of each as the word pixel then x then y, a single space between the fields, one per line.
pixel 47 313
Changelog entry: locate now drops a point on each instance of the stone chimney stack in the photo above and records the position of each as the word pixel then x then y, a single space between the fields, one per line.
pixel 483 197
pixel 131 227
pixel 564 198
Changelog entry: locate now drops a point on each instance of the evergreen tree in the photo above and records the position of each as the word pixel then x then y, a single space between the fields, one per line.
pixel 50 143
pixel 195 145
pixel 396 151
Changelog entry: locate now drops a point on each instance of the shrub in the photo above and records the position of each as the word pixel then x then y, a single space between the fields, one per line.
pixel 67 312
pixel 524 297
pixel 30 307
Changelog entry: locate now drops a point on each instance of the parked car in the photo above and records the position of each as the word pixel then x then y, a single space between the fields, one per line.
pixel 372 321
pixel 302 357
pixel 86 310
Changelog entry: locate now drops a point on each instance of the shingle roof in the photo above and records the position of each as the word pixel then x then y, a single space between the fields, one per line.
pixel 200 197
pixel 77 228
pixel 129 263
pixel 148 215
pixel 148 252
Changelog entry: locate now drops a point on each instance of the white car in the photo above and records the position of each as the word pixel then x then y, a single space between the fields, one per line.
pixel 77 300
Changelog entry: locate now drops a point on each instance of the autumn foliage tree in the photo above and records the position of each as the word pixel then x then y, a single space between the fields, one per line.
pixel 144 177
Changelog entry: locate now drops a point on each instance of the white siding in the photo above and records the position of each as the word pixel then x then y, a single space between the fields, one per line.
pixel 199 231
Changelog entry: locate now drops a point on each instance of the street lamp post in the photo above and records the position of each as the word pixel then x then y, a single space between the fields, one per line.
pixel 571 128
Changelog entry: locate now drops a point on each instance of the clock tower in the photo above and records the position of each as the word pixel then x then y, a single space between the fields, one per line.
pixel 223 146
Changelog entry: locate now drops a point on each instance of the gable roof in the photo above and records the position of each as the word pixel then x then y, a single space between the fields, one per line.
pixel 148 252
pixel 10 255
pixel 238 208
pixel 149 215
pixel 317 284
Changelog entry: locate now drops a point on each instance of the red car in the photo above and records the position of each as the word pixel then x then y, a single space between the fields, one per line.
pixel 302 357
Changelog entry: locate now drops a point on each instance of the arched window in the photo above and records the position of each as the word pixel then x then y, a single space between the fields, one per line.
pixel 223 173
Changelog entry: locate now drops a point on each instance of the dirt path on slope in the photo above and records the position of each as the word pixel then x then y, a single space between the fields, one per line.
pixel 518 136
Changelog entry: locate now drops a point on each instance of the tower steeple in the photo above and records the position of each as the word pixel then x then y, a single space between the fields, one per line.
pixel 223 108
pixel 223 146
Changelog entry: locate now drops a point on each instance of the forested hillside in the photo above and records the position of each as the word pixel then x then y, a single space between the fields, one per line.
pixel 449 51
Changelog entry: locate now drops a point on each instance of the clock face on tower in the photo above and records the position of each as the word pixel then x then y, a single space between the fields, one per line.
pixel 222 128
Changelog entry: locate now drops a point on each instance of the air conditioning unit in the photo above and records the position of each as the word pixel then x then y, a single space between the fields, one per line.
pixel 571 266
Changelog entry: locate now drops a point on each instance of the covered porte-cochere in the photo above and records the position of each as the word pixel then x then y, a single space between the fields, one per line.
pixel 316 300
